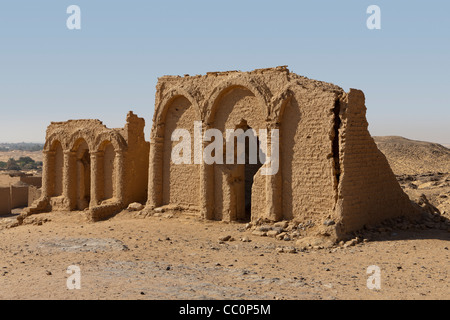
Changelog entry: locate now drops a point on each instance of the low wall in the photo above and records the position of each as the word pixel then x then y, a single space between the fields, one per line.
pixel 34 193
pixel 32 181
pixel 5 200
pixel 19 196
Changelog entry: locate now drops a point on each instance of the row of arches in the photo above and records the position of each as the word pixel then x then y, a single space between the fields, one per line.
pixel 272 105
pixel 221 191
pixel 78 175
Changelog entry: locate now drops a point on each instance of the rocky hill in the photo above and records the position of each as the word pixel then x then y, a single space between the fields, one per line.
pixel 410 157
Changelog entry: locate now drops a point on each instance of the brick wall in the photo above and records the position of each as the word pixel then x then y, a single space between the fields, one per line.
pixel 369 191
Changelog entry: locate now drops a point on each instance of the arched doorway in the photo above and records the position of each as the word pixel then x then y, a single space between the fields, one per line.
pixel 238 109
pixel 246 165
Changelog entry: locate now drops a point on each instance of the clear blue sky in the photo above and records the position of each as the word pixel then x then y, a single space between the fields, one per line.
pixel 110 66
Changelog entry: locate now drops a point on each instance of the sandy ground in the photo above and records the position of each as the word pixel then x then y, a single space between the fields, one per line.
pixel 128 257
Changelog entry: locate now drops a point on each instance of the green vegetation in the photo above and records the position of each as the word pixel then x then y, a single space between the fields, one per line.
pixel 24 163
pixel 22 146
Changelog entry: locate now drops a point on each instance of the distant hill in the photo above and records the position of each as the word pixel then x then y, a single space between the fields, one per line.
pixel 414 157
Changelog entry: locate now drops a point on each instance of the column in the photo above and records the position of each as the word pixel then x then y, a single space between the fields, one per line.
pixel 96 178
pixel 206 183
pixel 155 173
pixel 48 174
pixel 273 181
pixel 69 179
pixel 119 170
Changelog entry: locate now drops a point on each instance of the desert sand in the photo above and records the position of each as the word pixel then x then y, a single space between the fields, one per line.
pixel 180 257
pixel 176 256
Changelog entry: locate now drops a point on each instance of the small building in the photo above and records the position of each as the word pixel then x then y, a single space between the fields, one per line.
pixel 331 175
pixel 88 166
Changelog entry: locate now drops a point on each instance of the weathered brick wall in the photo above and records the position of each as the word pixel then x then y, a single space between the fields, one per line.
pixel 5 200
pixel 34 194
pixel 308 185
pixel 180 181
pixel 19 196
pixel 305 186
pixel 369 191
pixel 32 180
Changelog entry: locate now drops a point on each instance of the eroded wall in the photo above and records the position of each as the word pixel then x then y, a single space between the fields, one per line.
pixel 308 183
pixel 5 200
pixel 87 165
pixel 19 196
pixel 181 182
pixel 330 168
pixel 302 109
pixel 369 191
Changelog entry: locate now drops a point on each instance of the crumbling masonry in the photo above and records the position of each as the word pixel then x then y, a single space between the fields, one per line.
pixel 88 166
pixel 331 173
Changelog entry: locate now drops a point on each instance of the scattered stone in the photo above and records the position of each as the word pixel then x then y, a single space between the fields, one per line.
pixel 350 243
pixel 159 210
pixel 286 250
pixel 272 233
pixel 329 222
pixel 264 228
pixel 246 239
pixel 314 241
pixel 259 233
pixel 135 206
pixel 225 238
pixel 281 224
pixel 280 236
pixel 289 250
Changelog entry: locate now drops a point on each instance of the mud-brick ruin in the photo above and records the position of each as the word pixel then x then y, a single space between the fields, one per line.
pixel 88 166
pixel 331 173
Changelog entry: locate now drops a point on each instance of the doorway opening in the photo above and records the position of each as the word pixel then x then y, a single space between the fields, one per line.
pixel 83 176
pixel 248 170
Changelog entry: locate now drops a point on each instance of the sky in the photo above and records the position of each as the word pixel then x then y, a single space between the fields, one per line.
pixel 111 65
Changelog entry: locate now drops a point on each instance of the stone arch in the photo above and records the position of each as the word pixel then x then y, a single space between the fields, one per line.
pixel 79 137
pixel 260 91
pixel 114 139
pixel 52 139
pixel 279 103
pixel 234 104
pixel 162 108
pixel 180 182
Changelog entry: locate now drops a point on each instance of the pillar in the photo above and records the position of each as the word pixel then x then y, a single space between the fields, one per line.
pixel 69 179
pixel 119 172
pixel 206 184
pixel 155 173
pixel 274 181
pixel 48 173
pixel 96 178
